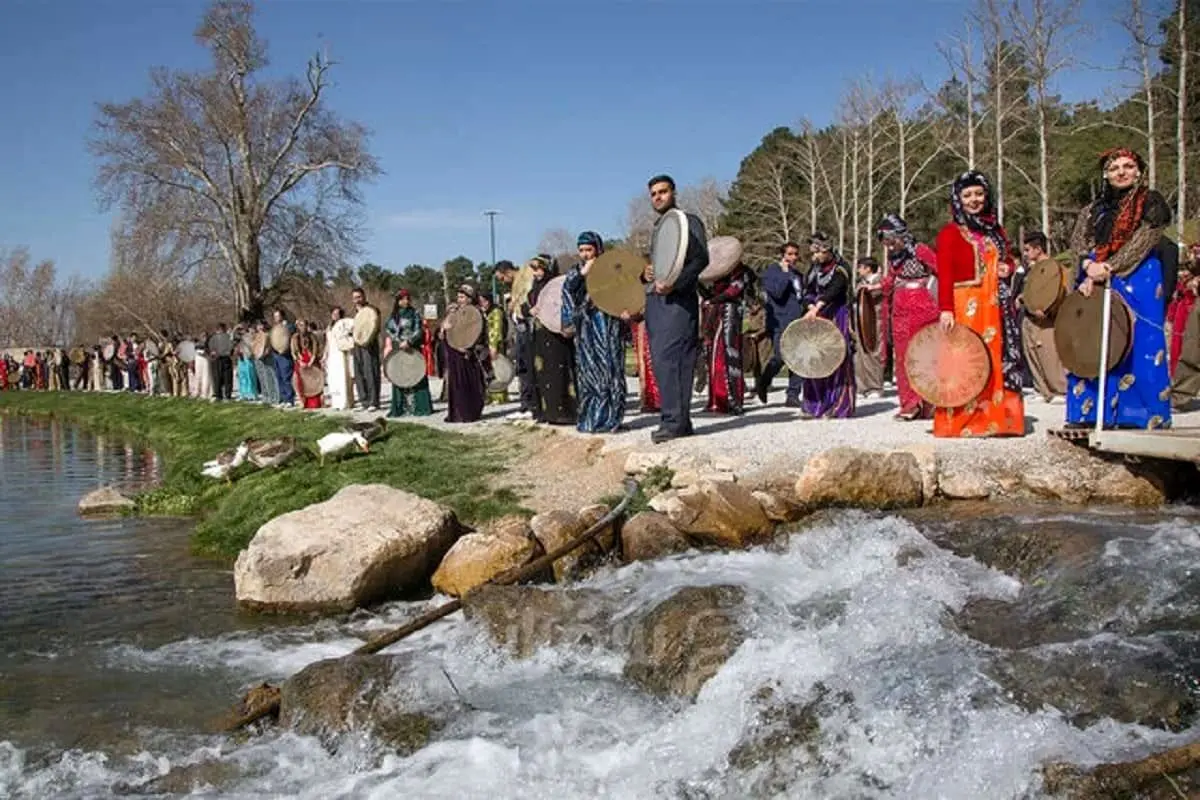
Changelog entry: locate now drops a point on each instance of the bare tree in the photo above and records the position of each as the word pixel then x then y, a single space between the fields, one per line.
pixel 959 54
pixel 259 176
pixel 556 242
pixel 1181 117
pixel 706 200
pixel 767 202
pixel 915 134
pixel 36 308
pixel 639 223
pixel 1145 44
pixel 1047 28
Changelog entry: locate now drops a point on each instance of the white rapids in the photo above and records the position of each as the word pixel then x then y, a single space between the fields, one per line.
pixel 832 607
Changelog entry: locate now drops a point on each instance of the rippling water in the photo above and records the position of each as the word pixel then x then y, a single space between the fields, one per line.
pixel 116 648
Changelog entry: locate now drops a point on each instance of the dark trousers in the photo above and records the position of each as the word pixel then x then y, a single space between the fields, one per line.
pixel 775 365
pixel 366 374
pixel 223 377
pixel 672 324
pixel 284 367
pixel 523 364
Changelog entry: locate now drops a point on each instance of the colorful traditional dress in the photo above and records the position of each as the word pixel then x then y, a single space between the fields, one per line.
pixel 495 341
pixel 466 380
pixel 834 396
pixel 1123 229
pixel 647 385
pixel 247 378
pixel 306 357
pixel 599 358
pixel 404 326
pixel 910 302
pixel 553 357
pixel 1178 314
pixel 969 251
pixel 721 324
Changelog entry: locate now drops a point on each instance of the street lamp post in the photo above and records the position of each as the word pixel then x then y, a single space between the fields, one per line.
pixel 491 215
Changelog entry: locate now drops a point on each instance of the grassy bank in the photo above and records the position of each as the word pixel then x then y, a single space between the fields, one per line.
pixel 451 468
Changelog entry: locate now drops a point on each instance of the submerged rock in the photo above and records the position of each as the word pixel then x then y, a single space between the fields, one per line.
pixel 479 557
pixel 845 476
pixel 103 501
pixel 554 529
pixel 650 535
pixel 371 694
pixel 685 640
pixel 365 544
pixel 524 618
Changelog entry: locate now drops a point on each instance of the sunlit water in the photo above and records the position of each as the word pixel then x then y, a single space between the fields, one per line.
pixel 116 650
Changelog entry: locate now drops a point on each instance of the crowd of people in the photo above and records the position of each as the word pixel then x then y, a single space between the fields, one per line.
pixel 714 336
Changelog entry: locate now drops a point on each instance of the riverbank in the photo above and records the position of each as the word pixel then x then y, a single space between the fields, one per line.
pixel 453 468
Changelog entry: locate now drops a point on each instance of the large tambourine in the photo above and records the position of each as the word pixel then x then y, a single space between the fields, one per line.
pixel 311 380
pixel 1078 329
pixel 281 339
pixel 521 285
pixel 614 282
pixel 502 373
pixel 108 351
pixel 724 254
pixel 186 351
pixel 1045 287
pixel 78 355
pixel 260 344
pixel 465 327
pixel 812 348
pixel 341 334
pixel 366 326
pixel 947 368
pixel 404 369
pixel 220 345
pixel 548 309
pixel 866 320
pixel 668 247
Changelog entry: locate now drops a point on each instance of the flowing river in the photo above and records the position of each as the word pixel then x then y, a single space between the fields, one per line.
pixel 118 650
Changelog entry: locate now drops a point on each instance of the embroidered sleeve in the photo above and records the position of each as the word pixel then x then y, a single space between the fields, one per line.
pixel 1127 259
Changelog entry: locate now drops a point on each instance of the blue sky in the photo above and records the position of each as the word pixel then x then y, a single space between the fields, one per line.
pixel 555 113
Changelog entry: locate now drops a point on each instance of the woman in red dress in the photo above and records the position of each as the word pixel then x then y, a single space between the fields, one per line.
pixel 970 249
pixel 306 357
pixel 1182 304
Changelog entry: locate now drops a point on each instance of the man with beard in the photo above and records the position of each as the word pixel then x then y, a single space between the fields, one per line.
pixel 367 375
pixel 673 321
pixel 782 285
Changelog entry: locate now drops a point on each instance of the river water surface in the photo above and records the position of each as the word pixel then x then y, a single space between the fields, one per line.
pixel 118 650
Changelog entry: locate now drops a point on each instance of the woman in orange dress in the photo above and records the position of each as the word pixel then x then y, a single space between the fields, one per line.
pixel 970 250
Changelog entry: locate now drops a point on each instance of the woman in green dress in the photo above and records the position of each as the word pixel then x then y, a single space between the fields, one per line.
pixel 404 332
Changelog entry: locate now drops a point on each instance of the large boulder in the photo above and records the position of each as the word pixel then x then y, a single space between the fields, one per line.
pixel 477 558
pixel 524 618
pixel 684 641
pixel 554 529
pixel 718 514
pixel 365 544
pixel 649 535
pixel 104 501
pixel 1075 475
pixel 845 476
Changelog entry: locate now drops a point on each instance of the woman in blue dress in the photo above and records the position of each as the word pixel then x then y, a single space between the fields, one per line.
pixel 1115 239
pixel 599 346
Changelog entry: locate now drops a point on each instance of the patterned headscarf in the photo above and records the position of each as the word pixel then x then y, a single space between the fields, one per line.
pixel 904 261
pixel 892 226
pixel 985 221
pixel 470 291
pixel 592 238
pixel 1117 213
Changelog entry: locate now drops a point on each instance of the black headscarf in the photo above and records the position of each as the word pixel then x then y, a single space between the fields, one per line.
pixel 985 221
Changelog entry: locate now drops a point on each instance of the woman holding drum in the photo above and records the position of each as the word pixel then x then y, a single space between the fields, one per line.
pixel 827 295
pixel 405 332
pixel 553 356
pixel 909 304
pixel 466 368
pixel 599 346
pixel 1115 239
pixel 970 249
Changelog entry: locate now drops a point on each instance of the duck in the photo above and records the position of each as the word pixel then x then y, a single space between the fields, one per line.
pixel 225 463
pixel 340 441
pixel 371 430
pixel 265 453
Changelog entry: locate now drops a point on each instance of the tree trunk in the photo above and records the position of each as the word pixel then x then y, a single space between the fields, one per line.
pixel 902 155
pixel 1043 164
pixel 856 191
pixel 842 209
pixel 1148 89
pixel 998 118
pixel 870 221
pixel 968 70
pixel 247 282
pixel 1181 113
pixel 812 185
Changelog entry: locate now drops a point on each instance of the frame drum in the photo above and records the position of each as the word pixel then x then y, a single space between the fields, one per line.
pixel 1045 287
pixel 365 326
pixel 812 348
pixel 186 351
pixel 281 340
pixel 404 369
pixel 866 320
pixel 341 334
pixel 151 351
pixel 1078 327
pixel 466 326
pixel 259 344
pixel 548 310
pixel 78 356
pixel 503 372
pixel 312 380
pixel 668 246
pixel 614 282
pixel 724 253
pixel 948 370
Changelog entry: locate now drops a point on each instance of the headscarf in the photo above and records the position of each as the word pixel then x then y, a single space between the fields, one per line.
pixel 549 265
pixel 470 292
pixel 821 240
pixel 592 238
pixel 905 261
pixel 1117 213
pixel 984 222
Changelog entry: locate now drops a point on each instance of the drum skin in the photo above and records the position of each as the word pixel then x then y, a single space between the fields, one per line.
pixel 548 310
pixel 668 246
pixel 614 282
pixel 724 254
pixel 503 373
pixel 366 326
pixel 404 369
pixel 948 368
pixel 312 380
pixel 1045 287
pixel 342 334
pixel 281 340
pixel 1077 329
pixel 812 348
pixel 466 325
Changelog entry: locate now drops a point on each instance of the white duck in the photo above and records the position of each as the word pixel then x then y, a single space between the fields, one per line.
pixel 340 441
pixel 225 463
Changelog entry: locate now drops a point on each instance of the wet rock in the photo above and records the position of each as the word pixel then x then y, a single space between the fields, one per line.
pixel 684 641
pixel 186 779
pixel 719 514
pixel 1023 550
pixel 606 539
pixel 365 544
pixel 524 618
pixel 777 507
pixel 478 557
pixel 1140 681
pixel 650 535
pixel 556 528
pixel 1165 775
pixel 372 694
pixel 105 501
pixel 845 476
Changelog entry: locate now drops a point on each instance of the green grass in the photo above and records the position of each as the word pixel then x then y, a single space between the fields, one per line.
pixel 655 481
pixel 451 468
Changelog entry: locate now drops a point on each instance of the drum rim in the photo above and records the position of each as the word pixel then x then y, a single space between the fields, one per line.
pixel 1062 286
pixel 824 323
pixel 975 335
pixel 396 355
pixel 708 277
pixel 681 245
pixel 512 371
pixel 864 296
pixel 1115 357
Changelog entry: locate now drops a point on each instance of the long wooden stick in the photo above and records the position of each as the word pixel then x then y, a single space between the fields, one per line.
pixel 512 576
